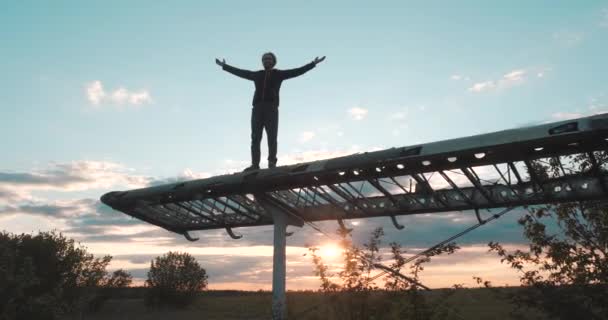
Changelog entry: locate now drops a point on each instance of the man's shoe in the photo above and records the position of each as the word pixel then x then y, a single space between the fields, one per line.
pixel 272 165
pixel 252 168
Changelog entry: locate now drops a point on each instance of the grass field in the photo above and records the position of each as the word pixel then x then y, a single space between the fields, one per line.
pixel 463 304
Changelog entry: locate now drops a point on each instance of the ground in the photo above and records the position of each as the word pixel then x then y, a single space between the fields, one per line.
pixel 464 304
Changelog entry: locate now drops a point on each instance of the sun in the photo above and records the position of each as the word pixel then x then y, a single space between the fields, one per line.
pixel 329 250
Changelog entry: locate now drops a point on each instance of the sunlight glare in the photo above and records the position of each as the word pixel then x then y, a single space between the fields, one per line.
pixel 329 250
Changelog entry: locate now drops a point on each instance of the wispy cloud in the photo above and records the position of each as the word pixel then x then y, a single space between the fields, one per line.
pixel 314 155
pixel 515 75
pixel 575 115
pixel 95 92
pixel 482 86
pixel 55 209
pixel 459 77
pixel 357 113
pixel 97 95
pixel 509 79
pixel 185 175
pixel 10 195
pixel 73 176
pixel 80 216
pixel 566 115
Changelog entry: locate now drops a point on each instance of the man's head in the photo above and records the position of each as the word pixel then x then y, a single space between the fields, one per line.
pixel 269 60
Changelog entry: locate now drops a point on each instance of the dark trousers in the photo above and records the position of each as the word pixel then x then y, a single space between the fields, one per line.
pixel 266 117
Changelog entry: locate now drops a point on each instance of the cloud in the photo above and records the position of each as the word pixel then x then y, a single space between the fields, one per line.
pixel 186 175
pixel 95 92
pixel 515 75
pixel 298 156
pixel 482 86
pixel 11 196
pixel 575 115
pixel 73 176
pixel 306 136
pixel 96 95
pixel 314 155
pixel 566 115
pixel 17 188
pixel 56 209
pixel 458 77
pixel 509 79
pixel 357 113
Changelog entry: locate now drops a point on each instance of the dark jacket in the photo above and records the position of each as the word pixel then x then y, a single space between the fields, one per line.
pixel 267 82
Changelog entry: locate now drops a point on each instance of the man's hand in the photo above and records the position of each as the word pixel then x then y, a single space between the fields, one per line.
pixel 223 62
pixel 317 60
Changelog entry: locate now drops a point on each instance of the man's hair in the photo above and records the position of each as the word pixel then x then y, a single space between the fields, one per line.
pixel 272 55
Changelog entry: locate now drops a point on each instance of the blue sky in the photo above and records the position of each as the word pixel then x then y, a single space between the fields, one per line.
pixel 108 95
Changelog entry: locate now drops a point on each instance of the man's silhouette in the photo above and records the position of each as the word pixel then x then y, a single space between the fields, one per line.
pixel 265 112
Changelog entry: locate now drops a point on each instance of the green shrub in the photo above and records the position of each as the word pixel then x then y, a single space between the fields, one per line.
pixel 174 279
pixel 46 275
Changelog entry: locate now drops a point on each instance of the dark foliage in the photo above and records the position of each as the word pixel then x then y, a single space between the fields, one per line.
pixel 47 275
pixel 175 279
pixel 565 265
pixel 357 296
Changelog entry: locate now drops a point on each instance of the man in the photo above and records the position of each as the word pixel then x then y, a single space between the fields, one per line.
pixel 265 112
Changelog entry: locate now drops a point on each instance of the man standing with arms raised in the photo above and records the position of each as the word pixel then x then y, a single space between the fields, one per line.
pixel 265 112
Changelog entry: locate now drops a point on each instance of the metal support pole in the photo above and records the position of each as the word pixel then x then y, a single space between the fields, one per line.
pixel 279 305
pixel 281 220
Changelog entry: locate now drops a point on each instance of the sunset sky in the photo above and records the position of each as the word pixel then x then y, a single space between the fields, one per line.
pixel 98 96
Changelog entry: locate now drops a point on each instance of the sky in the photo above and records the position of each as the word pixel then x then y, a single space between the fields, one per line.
pixel 111 95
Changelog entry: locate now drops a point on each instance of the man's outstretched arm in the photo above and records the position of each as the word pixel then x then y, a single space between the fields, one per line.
pixel 245 74
pixel 292 73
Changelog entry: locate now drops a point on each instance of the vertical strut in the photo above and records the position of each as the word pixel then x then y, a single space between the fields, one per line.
pixel 280 218
pixel 279 306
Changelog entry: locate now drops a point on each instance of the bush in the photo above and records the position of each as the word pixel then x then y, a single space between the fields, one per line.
pixel 565 267
pixel 46 275
pixel 175 279
pixel 119 279
pixel 357 296
pixel 112 286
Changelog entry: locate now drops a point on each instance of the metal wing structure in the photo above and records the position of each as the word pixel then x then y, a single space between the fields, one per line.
pixel 499 169
pixel 555 162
